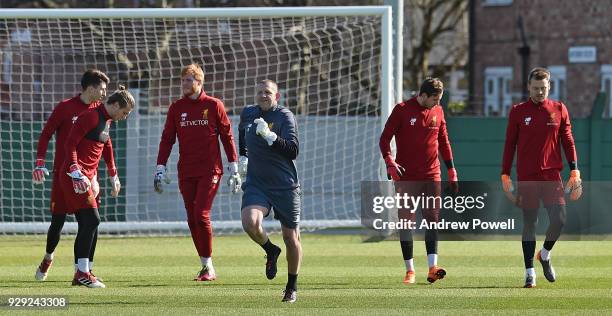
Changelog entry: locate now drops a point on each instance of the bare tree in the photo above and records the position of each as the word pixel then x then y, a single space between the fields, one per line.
pixel 429 25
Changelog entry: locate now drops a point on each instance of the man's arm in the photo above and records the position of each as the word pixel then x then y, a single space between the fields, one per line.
pixel 567 139
pixel 242 150
pixel 391 127
pixel 510 144
pixel 167 139
pixel 109 158
pixel 444 143
pixel 226 134
pixel 50 127
pixel 287 143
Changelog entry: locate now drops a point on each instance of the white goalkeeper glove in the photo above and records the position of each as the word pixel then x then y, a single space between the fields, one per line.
pixel 39 173
pixel 115 185
pixel 234 182
pixel 95 186
pixel 80 182
pixel 160 175
pixel 264 131
pixel 243 163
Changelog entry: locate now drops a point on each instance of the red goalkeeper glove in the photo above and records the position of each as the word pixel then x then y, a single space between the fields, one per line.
pixel 39 173
pixel 80 182
pixel 574 185
pixel 394 171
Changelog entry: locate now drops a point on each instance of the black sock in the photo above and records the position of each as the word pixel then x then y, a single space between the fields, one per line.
pixel 269 247
pixel 93 246
pixel 407 249
pixel 291 281
pixel 528 251
pixel 431 241
pixel 55 231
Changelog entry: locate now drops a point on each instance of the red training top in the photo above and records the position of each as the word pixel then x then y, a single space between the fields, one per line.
pixel 537 131
pixel 60 122
pixel 87 139
pixel 198 124
pixel 419 134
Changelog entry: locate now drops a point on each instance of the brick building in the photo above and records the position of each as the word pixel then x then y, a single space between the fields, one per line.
pixel 571 38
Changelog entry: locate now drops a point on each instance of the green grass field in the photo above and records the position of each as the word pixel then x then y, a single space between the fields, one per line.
pixel 340 275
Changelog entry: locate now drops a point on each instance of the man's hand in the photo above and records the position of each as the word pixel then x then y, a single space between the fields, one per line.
pixel 574 185
pixel 243 163
pixel 234 182
pixel 394 171
pixel 264 131
pixel 39 173
pixel 453 181
pixel 160 175
pixel 508 188
pixel 80 182
pixel 115 185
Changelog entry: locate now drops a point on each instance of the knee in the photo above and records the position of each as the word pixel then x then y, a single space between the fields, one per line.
pixel 291 239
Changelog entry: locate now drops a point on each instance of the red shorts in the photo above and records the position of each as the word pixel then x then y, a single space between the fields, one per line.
pixel 430 208
pixel 546 186
pixel 58 202
pixel 75 201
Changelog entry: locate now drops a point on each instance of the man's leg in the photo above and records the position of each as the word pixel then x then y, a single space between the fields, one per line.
pixel 205 194
pixel 53 238
pixel 530 221
pixel 252 219
pixel 556 218
pixel 88 220
pixel 291 237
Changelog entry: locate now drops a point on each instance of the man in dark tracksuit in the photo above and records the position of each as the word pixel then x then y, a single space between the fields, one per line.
pixel 268 137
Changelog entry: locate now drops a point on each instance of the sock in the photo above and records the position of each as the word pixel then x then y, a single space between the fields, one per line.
pixel 545 254
pixel 432 259
pixel 291 281
pixel 206 262
pixel 83 264
pixel 409 264
pixel 268 246
pixel 48 256
pixel 90 265
pixel 530 272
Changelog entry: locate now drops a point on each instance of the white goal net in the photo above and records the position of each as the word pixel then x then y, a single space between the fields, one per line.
pixel 331 64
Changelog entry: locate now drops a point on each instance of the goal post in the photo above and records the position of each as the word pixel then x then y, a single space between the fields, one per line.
pixel 333 65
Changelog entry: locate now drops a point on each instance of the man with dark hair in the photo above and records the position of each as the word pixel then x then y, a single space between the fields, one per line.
pixel 84 147
pixel 64 115
pixel 419 128
pixel 536 128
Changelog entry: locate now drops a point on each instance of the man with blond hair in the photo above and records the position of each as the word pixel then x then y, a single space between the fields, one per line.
pixel 198 120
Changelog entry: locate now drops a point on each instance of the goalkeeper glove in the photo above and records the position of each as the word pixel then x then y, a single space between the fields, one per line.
pixel 160 175
pixel 509 188
pixel 574 185
pixel 80 182
pixel 115 185
pixel 243 163
pixel 234 181
pixel 264 131
pixel 39 173
pixel 453 181
pixel 394 171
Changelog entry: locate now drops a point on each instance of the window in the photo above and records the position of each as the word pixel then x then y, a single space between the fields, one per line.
pixel 498 98
pixel 496 2
pixel 557 83
pixel 606 86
